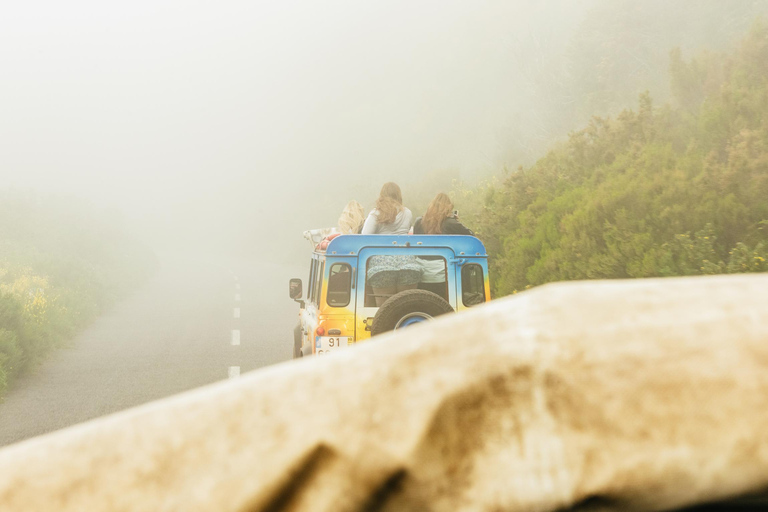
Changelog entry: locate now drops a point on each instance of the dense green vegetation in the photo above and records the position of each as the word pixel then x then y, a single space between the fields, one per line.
pixel 61 265
pixel 680 189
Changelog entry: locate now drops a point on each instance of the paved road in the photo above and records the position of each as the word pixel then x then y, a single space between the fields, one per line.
pixel 194 323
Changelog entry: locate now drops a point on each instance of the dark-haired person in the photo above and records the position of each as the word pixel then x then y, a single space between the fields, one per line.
pixel 390 274
pixel 438 220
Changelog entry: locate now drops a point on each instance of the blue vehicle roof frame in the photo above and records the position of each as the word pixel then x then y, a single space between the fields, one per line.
pixel 462 245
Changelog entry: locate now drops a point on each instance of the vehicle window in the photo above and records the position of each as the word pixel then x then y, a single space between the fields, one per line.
pixel 311 280
pixel 381 266
pixel 427 272
pixel 318 282
pixel 369 300
pixel 472 284
pixel 339 285
pixel 433 277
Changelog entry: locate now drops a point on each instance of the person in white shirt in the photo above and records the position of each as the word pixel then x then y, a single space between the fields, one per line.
pixel 390 274
pixel 389 217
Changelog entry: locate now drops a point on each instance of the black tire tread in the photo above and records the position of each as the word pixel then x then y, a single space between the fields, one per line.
pixel 408 301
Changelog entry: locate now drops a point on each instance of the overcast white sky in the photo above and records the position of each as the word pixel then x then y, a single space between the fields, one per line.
pixel 203 110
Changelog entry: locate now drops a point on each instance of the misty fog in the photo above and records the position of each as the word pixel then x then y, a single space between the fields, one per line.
pixel 160 161
pixel 223 123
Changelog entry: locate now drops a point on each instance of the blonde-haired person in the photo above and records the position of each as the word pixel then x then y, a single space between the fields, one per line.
pixel 390 274
pixel 352 219
pixel 438 220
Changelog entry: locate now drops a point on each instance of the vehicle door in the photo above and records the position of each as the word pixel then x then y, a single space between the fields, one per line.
pixel 309 315
pixel 365 306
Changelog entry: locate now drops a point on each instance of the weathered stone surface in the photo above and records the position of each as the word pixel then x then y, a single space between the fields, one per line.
pixel 649 394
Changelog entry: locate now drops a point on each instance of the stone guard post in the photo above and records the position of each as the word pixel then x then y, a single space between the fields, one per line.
pixel 639 395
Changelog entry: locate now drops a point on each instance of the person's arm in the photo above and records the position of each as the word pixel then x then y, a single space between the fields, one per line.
pixel 452 226
pixel 369 228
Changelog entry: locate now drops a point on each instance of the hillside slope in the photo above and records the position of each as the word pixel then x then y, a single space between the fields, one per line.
pixel 680 189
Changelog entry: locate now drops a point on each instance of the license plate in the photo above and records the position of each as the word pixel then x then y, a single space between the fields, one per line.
pixel 325 344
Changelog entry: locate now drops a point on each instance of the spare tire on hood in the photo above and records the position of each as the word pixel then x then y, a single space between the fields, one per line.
pixel 407 308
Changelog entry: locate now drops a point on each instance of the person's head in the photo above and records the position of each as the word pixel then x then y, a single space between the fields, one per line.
pixel 351 218
pixel 389 203
pixel 440 208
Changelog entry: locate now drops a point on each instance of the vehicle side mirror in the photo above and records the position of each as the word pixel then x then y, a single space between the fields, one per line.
pixel 295 289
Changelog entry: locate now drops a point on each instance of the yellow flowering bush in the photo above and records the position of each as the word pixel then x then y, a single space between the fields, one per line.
pixel 61 265
pixel 33 292
pixel 746 259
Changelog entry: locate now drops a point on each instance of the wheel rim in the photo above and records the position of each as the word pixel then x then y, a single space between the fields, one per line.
pixel 412 319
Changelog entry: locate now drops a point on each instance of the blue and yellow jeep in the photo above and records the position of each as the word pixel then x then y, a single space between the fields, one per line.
pixel 339 308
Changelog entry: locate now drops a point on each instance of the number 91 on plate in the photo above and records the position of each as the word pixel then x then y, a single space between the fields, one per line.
pixel 325 344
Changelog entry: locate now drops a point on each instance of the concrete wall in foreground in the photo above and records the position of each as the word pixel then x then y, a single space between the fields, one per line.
pixel 644 394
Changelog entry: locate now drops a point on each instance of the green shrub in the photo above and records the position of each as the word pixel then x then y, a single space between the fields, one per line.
pixel 61 265
pixel 661 191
